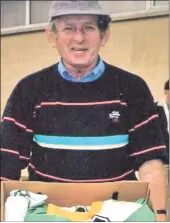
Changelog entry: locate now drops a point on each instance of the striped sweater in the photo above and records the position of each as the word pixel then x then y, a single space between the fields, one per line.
pixel 79 132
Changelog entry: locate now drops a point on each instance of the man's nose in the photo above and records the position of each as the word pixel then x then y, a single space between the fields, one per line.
pixel 79 36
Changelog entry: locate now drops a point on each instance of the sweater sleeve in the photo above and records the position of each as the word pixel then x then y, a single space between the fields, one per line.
pixel 146 138
pixel 16 134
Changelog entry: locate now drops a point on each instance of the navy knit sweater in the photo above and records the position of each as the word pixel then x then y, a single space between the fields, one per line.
pixel 80 132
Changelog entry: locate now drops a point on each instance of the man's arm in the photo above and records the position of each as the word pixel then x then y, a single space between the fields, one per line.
pixel 147 149
pixel 16 134
pixel 154 172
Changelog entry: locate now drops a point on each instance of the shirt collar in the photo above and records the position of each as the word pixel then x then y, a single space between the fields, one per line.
pixel 89 77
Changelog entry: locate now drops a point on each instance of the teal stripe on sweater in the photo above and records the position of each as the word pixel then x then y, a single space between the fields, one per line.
pixel 82 141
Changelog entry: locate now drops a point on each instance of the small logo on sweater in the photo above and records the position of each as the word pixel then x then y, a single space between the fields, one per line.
pixel 114 116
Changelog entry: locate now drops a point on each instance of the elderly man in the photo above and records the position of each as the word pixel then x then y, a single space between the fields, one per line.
pixel 81 119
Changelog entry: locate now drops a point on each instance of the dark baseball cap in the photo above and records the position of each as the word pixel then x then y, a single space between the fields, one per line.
pixel 59 8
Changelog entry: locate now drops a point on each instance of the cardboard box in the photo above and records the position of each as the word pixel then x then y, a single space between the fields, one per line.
pixel 70 194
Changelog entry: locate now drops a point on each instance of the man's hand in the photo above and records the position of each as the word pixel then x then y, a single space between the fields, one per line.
pixel 161 218
pixel 154 172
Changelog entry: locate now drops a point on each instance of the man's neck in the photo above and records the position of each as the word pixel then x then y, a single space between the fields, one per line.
pixel 79 72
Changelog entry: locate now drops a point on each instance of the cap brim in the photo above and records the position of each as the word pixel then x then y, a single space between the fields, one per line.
pixel 78 13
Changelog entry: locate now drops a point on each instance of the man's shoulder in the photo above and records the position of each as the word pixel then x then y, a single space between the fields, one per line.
pixel 37 81
pixel 123 75
pixel 39 75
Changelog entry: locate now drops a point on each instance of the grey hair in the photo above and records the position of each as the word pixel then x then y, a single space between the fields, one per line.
pixel 52 26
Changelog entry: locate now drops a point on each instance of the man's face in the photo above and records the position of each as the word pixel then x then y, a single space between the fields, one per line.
pixel 166 93
pixel 78 39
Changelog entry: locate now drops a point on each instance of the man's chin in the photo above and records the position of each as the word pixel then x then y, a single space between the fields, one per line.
pixel 80 64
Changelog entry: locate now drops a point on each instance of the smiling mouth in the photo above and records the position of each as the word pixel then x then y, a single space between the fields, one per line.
pixel 79 49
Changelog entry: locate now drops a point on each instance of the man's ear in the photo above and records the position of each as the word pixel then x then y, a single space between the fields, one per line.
pixel 51 37
pixel 105 37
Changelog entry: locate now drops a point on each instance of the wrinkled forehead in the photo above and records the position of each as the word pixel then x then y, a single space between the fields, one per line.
pixel 77 19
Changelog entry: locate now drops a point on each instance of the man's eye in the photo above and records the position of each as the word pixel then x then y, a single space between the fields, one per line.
pixel 89 28
pixel 68 29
